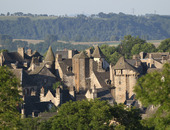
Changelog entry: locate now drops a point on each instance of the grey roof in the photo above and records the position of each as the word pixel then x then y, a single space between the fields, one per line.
pixel 81 55
pixel 50 55
pixel 102 76
pixel 123 64
pixel 37 69
pixel 104 94
pixel 64 64
pixel 17 73
pixel 98 53
pixel 12 57
pixel 157 55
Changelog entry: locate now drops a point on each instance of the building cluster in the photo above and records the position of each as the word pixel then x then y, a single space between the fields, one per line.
pixel 84 75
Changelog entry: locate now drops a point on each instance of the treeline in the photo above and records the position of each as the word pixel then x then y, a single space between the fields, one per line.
pixel 131 46
pixel 128 47
pixel 99 27
pixel 7 43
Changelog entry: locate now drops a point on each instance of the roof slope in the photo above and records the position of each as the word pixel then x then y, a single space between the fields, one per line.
pixel 123 64
pixel 98 53
pixel 49 55
pixel 81 55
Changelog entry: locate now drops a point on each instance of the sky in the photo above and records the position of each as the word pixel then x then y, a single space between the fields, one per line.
pixel 70 7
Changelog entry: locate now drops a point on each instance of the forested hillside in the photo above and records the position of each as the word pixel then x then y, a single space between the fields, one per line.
pixel 100 27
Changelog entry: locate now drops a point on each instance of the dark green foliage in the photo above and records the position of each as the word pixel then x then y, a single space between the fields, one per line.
pixel 9 99
pixel 127 44
pixel 128 117
pixel 164 46
pixel 110 52
pixel 100 27
pixel 84 114
pixel 154 89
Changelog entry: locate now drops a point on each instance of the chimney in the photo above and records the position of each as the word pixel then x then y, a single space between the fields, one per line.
pixel 70 54
pixel 58 57
pixel 21 51
pixel 29 52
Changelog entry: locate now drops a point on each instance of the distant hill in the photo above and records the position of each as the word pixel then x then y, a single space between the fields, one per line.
pixel 99 27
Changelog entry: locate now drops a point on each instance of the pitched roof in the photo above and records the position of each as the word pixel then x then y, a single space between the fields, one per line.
pixel 81 55
pixel 64 66
pixel 98 53
pixel 123 64
pixel 49 55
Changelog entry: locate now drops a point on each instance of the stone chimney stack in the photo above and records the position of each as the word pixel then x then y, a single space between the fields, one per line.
pixel 21 51
pixel 70 54
pixel 29 52
pixel 58 57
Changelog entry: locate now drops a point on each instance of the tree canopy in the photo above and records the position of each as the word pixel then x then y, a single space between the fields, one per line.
pixel 100 27
pixel 9 99
pixel 154 89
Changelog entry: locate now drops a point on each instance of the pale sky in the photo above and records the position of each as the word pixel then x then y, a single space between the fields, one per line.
pixel 62 7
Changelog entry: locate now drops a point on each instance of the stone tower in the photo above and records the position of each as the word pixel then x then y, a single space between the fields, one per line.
pixel 124 79
pixel 80 64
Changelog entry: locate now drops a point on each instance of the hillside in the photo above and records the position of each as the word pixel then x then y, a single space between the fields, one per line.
pixel 100 27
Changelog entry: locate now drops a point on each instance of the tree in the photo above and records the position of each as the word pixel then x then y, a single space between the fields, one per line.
pixel 154 89
pixel 165 45
pixel 9 99
pixel 127 44
pixel 93 114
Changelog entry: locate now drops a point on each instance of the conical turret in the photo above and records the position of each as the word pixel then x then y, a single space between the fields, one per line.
pixel 98 53
pixel 49 56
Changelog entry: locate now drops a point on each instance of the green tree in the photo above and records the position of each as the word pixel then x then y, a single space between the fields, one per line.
pixel 154 89
pixel 128 118
pixel 165 45
pixel 9 98
pixel 127 44
pixel 93 114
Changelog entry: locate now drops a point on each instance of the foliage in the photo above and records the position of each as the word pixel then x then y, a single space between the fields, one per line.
pixel 164 46
pixel 9 98
pixel 83 114
pixel 127 44
pixel 128 118
pixel 99 27
pixel 57 84
pixel 154 89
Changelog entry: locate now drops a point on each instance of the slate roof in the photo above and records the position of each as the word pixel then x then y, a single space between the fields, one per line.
pixel 98 53
pixel 157 55
pixel 11 57
pixel 123 64
pixel 18 73
pixel 49 55
pixel 37 70
pixel 81 55
pixel 64 64
pixel 104 94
